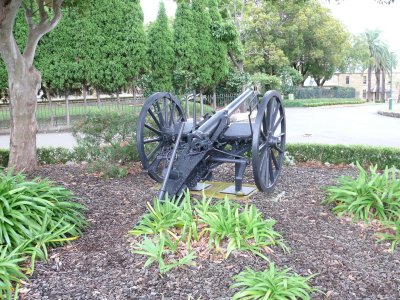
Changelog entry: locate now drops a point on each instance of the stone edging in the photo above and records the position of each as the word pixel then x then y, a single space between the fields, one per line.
pixel 389 114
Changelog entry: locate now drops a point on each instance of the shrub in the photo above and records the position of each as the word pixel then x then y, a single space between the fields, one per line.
pixel 10 273
pixel 36 214
pixel 320 102
pixel 108 138
pixel 244 229
pixel 340 154
pixel 393 234
pixel 369 196
pixel 174 224
pixel 271 284
pixel 322 92
pixel 265 82
pixel 51 155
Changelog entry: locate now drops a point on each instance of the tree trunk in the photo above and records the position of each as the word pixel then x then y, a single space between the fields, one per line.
pixel 118 98
pixel 51 110
pixel 84 92
pixel 378 83
pixel 67 107
pixel 383 90
pixel 23 87
pixel 201 105
pixel 98 97
pixel 369 93
pixel 23 79
pixel 135 104
pixel 214 98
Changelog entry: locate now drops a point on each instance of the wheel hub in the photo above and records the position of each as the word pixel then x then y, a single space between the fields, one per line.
pixel 273 141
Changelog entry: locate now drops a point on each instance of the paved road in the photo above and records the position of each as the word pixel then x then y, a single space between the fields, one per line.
pixel 348 125
pixel 329 125
pixel 60 139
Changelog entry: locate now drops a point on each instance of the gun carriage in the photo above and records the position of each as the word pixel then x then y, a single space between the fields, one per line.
pixel 180 152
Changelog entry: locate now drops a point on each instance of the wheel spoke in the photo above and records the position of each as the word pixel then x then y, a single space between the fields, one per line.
pixel 274 160
pixel 279 149
pixel 172 114
pixel 276 110
pixel 159 113
pixel 158 139
pixel 152 129
pixel 271 170
pixel 154 152
pixel 264 166
pixel 277 124
pixel 154 118
pixel 264 124
pixel 262 147
pixel 166 112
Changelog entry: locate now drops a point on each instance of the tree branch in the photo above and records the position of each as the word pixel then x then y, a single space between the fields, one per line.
pixel 8 47
pixel 235 62
pixel 44 27
pixel 42 12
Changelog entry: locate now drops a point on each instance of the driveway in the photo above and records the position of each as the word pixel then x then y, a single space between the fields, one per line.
pixel 347 125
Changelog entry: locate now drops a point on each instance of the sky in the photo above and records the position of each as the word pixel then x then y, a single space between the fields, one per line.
pixel 356 15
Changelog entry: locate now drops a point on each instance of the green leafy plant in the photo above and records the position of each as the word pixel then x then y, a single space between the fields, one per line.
pixel 37 214
pixel 155 250
pixel 177 223
pixel 107 141
pixel 369 196
pixel 10 272
pixel 271 284
pixel 341 154
pixel 245 229
pixel 392 237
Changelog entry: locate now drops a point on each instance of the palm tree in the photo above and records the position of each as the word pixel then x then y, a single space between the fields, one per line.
pixel 389 62
pixel 372 38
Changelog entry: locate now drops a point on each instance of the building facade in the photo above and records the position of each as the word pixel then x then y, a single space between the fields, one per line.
pixel 359 81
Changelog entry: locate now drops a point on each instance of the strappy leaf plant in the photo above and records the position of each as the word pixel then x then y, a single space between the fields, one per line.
pixel 171 223
pixel 393 237
pixel 10 273
pixel 271 284
pixel 372 195
pixel 245 229
pixel 34 215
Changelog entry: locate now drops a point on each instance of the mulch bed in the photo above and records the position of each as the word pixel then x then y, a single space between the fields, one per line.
pixel 100 265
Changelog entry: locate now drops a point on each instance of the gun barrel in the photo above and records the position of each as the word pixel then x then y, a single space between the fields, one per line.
pixel 211 124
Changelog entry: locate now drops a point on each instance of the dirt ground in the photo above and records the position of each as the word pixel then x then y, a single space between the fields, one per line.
pixel 348 262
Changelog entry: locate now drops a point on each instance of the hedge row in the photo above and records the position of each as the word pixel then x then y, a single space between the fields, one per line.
pixel 340 154
pixel 46 156
pixel 322 92
pixel 320 102
pixel 333 154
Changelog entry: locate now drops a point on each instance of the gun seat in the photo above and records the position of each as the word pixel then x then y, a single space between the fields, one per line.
pixel 239 130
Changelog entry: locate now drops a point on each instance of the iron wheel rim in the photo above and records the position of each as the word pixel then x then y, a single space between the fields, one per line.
pixel 269 141
pixel 160 114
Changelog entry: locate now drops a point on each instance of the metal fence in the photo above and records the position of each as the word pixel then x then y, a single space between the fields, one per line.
pixel 61 114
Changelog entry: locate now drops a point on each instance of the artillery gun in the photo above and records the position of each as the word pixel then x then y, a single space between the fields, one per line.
pixel 180 152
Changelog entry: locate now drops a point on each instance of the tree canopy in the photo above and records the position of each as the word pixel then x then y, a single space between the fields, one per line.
pixel 161 53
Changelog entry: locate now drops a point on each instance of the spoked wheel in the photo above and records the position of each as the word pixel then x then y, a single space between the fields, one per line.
pixel 157 127
pixel 269 140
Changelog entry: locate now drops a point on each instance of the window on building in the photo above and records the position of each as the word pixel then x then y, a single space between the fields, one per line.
pixel 364 94
pixel 347 79
pixel 364 79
